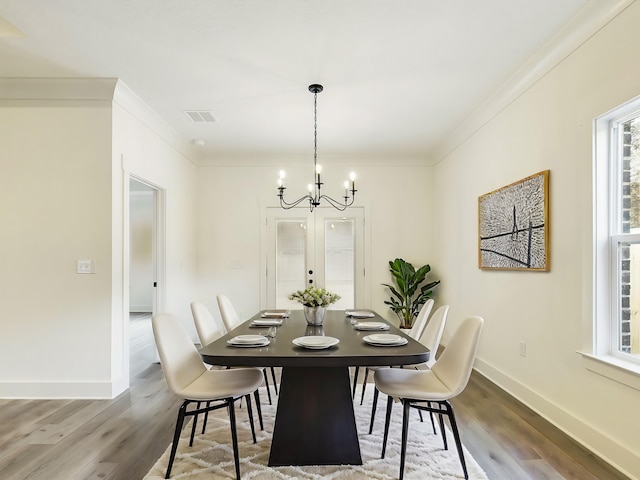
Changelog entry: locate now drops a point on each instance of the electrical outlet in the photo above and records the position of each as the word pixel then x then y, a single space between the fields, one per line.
pixel 86 266
pixel 523 349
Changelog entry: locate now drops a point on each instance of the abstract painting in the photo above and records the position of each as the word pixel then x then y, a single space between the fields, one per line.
pixel 514 226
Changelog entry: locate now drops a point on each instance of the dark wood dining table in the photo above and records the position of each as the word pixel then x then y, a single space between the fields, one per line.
pixel 315 421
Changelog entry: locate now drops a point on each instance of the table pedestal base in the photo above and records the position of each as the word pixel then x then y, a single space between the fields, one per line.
pixel 315 423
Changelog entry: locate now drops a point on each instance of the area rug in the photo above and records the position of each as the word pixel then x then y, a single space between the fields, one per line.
pixel 211 456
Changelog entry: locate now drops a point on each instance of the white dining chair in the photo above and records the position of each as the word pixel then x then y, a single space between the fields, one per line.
pixel 209 330
pixel 421 319
pixel 187 377
pixel 430 338
pixel 415 332
pixel 422 389
pixel 231 320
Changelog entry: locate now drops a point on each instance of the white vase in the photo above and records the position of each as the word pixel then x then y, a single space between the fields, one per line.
pixel 314 315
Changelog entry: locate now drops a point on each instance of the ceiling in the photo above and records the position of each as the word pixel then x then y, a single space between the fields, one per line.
pixel 399 75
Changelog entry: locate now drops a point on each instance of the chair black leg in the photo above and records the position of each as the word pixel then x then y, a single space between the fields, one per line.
pixel 420 415
pixel 433 423
pixel 405 430
pixel 266 382
pixel 234 436
pixel 176 436
pixel 193 426
pixel 444 434
pixel 386 425
pixel 250 411
pixel 364 384
pixel 456 436
pixel 256 395
pixel 373 408
pixel 206 417
pixel 275 384
pixel 355 382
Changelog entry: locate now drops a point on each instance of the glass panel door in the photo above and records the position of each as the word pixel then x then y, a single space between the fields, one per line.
pixel 290 259
pixel 324 248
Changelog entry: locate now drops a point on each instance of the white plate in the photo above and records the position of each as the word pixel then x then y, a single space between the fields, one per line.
pixel 385 340
pixel 248 339
pixel 262 343
pixel 371 326
pixel 359 313
pixel 315 342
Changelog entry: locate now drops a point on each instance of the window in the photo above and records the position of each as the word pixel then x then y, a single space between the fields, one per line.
pixel 617 239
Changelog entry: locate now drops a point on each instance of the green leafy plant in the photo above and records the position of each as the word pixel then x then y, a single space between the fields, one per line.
pixel 314 297
pixel 409 294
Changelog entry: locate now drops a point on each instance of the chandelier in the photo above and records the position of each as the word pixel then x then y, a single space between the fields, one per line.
pixel 315 196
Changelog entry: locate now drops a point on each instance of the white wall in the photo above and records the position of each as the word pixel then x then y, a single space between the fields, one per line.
pixel 64 197
pixel 399 219
pixel 547 127
pixel 144 147
pixel 55 206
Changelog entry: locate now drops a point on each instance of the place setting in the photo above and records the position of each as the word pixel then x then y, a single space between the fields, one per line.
pixel 315 342
pixel 275 314
pixel 359 313
pixel 248 341
pixel 266 322
pixel 371 326
pixel 385 340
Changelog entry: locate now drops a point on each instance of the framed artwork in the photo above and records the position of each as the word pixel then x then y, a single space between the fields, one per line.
pixel 513 226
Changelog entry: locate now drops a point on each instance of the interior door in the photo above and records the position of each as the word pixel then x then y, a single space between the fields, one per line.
pixel 324 248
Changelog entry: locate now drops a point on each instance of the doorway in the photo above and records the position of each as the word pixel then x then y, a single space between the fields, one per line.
pixel 324 248
pixel 143 273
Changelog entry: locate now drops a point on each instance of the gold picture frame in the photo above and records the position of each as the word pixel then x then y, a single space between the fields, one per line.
pixel 513 226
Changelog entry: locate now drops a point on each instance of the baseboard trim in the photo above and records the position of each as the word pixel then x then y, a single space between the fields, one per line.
pixel 62 390
pixel 604 447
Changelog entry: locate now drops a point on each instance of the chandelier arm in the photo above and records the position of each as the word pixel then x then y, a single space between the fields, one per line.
pixel 286 205
pixel 341 206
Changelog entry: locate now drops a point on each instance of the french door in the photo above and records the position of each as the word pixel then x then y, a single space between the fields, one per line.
pixel 323 248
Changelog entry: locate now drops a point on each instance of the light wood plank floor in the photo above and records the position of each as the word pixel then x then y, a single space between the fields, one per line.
pixel 120 439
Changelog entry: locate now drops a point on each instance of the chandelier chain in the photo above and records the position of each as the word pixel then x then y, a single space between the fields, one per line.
pixel 315 130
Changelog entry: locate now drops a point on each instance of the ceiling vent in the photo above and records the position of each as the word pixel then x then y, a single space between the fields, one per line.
pixel 200 116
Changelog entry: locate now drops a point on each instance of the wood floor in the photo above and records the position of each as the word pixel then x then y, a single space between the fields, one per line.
pixel 121 438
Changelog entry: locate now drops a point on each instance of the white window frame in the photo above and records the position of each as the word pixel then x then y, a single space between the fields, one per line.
pixel 605 357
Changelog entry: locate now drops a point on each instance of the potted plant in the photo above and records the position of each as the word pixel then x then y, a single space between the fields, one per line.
pixel 407 300
pixel 315 302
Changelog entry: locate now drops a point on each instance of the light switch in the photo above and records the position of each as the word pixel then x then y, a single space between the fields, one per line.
pixel 86 266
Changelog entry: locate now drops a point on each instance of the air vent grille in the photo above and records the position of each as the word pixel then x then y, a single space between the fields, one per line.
pixel 200 116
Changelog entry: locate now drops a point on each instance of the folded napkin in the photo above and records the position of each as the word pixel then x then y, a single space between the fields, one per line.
pixel 275 314
pixel 359 313
pixel 267 322
pixel 371 326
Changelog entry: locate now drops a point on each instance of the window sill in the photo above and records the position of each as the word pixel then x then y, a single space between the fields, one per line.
pixel 613 368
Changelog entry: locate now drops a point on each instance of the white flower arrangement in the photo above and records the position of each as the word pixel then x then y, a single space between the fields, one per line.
pixel 314 297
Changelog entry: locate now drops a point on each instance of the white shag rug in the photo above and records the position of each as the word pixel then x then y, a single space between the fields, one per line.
pixel 211 456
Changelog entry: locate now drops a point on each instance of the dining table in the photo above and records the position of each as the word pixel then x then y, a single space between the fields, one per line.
pixel 315 420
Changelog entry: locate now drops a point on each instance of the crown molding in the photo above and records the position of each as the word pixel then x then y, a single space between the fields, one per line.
pixel 282 161
pixel 56 89
pixel 593 17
